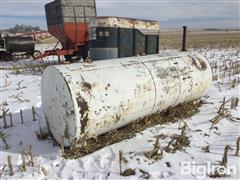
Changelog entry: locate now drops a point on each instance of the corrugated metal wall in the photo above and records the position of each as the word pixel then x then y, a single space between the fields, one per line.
pixel 64 11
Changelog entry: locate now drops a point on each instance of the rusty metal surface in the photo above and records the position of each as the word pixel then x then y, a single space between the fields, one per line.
pixel 85 100
pixel 143 25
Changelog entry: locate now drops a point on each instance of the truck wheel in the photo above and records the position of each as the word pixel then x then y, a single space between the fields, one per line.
pixel 6 56
pixel 2 54
pixel 36 54
pixel 9 57
pixel 73 58
pixel 68 58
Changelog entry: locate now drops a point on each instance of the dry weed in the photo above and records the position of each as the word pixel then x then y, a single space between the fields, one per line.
pixel 79 149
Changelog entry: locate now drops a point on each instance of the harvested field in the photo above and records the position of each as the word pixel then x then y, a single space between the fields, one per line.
pixel 200 39
pixel 172 39
pixel 206 131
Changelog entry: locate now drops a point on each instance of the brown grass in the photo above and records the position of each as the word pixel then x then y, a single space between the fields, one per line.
pixel 195 39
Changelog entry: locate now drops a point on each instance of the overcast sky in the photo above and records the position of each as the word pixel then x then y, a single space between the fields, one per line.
pixel 170 13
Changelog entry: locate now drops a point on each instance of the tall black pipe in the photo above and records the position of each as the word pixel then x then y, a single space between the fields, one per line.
pixel 184 38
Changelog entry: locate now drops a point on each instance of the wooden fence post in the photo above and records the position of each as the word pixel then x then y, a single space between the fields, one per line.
pixel 4 120
pixel 11 122
pixel 21 113
pixel 33 113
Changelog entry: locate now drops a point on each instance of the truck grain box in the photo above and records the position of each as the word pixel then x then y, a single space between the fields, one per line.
pixel 68 20
pixel 65 11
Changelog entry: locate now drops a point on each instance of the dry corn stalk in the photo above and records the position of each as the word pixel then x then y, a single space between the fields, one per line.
pixel 2 169
pixel 224 158
pixel 4 120
pixel 155 154
pixel 19 97
pixel 129 172
pixel 206 149
pixel 33 114
pixel 238 147
pixel 234 102
pixel 19 85
pixel 62 146
pixel 10 166
pixel 7 83
pixel 44 171
pixel 30 153
pixel 178 142
pixel 120 162
pixel 3 137
pixel 222 164
pixel 42 135
pixel 222 113
pixel 145 175
pixel 24 165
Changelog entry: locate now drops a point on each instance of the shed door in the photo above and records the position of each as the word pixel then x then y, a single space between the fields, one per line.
pixel 152 44
pixel 139 44
pixel 125 45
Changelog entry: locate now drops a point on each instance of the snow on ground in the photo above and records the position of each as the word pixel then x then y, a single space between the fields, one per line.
pixel 22 91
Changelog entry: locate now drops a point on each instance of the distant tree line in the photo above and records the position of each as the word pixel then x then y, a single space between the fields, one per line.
pixel 213 29
pixel 22 28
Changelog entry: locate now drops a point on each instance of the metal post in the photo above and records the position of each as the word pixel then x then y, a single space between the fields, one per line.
pixel 184 38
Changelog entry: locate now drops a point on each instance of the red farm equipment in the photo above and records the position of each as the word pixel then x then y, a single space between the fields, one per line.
pixel 68 20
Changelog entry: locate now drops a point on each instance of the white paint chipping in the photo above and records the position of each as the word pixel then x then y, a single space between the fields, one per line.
pixel 92 99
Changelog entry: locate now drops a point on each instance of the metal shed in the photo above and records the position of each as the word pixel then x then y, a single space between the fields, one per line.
pixel 116 37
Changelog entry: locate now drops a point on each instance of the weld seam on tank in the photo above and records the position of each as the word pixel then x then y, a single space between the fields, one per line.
pixel 154 83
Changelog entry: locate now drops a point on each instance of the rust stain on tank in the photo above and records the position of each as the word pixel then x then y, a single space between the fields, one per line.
pixel 84 110
pixel 198 63
pixel 87 85
pixel 66 132
pixel 147 87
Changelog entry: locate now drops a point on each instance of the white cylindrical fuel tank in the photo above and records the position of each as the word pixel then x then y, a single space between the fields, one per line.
pixel 85 100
